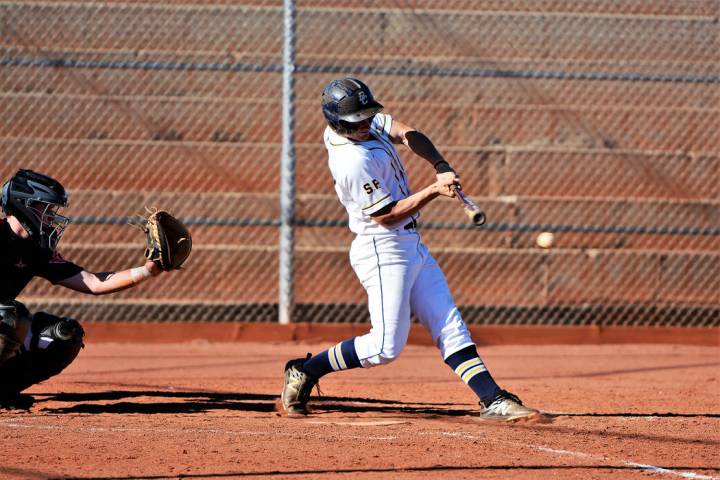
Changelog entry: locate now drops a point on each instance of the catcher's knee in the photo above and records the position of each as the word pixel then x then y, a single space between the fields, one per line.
pixel 60 338
pixel 14 326
pixel 48 329
pixel 55 358
pixel 54 344
pixel 51 345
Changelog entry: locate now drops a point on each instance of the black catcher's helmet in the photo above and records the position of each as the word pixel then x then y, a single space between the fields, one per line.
pixel 346 101
pixel 34 199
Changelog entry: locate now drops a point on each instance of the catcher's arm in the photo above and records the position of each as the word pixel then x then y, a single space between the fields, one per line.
pixel 110 282
pixel 168 246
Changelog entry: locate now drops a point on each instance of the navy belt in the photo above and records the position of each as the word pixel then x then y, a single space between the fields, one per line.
pixel 411 226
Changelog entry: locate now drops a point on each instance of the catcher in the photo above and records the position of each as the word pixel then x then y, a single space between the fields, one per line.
pixel 35 347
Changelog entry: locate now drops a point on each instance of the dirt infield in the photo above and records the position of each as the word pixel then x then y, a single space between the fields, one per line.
pixel 207 410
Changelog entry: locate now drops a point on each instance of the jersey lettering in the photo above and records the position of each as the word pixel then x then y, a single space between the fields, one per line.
pixel 369 173
pixel 369 188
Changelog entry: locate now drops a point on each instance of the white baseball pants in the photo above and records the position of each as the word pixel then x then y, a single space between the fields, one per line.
pixel 402 277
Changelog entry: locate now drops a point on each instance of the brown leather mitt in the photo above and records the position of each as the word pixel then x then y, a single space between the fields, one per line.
pixel 168 241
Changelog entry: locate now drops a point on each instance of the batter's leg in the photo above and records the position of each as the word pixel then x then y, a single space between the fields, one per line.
pixel 387 271
pixel 342 356
pixel 433 304
pixel 435 308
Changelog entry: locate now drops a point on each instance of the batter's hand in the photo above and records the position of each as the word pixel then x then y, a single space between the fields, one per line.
pixel 446 183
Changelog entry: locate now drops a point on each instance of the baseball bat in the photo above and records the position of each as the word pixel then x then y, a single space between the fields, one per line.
pixel 473 212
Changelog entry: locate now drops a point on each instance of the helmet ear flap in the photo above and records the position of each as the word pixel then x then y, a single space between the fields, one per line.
pixel 330 110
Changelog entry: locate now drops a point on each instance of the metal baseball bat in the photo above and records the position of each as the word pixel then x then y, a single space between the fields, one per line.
pixel 473 212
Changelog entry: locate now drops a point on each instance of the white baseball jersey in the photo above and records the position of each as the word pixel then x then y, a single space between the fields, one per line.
pixel 368 175
pixel 397 271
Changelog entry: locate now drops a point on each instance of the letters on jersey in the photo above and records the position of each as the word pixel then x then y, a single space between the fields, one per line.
pixel 369 175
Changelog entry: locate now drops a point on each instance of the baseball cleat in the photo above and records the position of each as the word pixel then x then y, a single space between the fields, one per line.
pixel 296 390
pixel 506 407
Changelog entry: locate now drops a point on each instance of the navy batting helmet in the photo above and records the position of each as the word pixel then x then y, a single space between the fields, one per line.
pixel 34 199
pixel 346 101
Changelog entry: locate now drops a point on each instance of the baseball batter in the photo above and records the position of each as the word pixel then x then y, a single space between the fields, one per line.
pixel 396 269
pixel 35 347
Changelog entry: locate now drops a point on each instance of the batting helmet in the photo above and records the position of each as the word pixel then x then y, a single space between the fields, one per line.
pixel 346 101
pixel 34 199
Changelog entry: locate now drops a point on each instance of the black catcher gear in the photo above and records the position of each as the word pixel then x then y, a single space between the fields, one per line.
pixel 54 344
pixel 34 199
pixel 50 327
pixel 348 101
pixel 14 324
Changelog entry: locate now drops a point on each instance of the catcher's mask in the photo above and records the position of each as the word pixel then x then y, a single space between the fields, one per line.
pixel 35 199
pixel 348 104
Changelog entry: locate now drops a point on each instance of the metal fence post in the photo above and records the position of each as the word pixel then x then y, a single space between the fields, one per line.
pixel 287 166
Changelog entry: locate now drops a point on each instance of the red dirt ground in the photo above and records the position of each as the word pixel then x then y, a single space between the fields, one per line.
pixel 206 410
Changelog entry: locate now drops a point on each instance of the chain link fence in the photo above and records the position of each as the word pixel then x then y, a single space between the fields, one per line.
pixel 596 120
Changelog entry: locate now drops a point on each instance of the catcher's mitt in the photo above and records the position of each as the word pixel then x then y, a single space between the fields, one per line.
pixel 168 241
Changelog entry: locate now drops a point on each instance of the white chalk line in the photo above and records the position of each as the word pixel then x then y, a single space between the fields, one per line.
pixel 639 466
pixel 14 423
pixel 655 469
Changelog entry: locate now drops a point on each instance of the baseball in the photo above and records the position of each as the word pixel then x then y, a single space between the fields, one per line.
pixel 545 240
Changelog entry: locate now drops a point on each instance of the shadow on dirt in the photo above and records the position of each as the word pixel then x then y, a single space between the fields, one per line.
pixel 629 415
pixel 189 402
pixel 156 402
pixel 434 470
pixel 153 401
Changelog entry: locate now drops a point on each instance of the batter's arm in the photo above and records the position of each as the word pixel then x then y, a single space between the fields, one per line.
pixel 420 145
pixel 110 282
pixel 405 208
